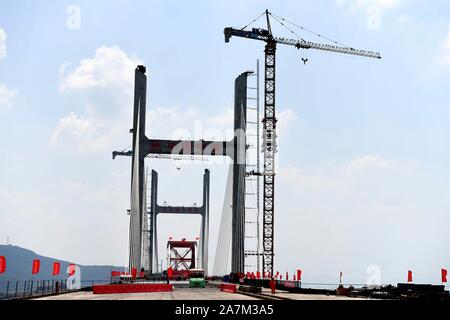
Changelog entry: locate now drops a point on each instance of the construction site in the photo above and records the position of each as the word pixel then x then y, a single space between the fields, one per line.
pixel 243 265
pixel 245 253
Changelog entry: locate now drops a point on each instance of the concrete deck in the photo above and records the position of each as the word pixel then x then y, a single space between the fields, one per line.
pixel 193 294
pixel 176 294
pixel 305 297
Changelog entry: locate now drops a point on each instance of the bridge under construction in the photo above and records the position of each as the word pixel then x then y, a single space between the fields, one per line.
pixel 143 245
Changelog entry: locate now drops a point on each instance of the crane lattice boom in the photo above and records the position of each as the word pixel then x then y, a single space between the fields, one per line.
pixel 264 35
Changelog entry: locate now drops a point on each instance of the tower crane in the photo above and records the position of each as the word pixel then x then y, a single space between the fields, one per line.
pixel 270 120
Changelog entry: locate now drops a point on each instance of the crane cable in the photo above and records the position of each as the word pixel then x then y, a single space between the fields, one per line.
pixel 293 32
pixel 308 30
pixel 264 12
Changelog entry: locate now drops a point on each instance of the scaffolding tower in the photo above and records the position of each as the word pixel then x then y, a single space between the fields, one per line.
pixel 253 180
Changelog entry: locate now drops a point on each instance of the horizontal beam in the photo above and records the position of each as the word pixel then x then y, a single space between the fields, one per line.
pixel 187 147
pixel 179 210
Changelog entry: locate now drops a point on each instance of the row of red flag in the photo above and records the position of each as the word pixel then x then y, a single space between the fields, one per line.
pixel 444 274
pixel 251 275
pixel 36 267
pixel 298 276
pixel 133 273
pixel 266 275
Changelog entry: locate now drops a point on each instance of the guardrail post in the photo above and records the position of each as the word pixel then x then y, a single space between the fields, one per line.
pixel 7 289
pixel 25 288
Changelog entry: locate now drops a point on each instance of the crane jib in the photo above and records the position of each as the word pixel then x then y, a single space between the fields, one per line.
pixel 263 35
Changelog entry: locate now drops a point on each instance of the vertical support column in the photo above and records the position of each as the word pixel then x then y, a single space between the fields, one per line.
pixel 137 171
pixel 205 222
pixel 239 172
pixel 153 254
pixel 269 147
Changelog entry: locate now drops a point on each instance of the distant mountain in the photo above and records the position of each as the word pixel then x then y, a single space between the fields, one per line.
pixel 19 263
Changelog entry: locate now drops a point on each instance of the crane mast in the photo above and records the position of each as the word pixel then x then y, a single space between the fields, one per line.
pixel 270 120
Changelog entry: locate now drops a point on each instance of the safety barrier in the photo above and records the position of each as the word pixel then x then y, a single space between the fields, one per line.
pixel 228 287
pixel 131 288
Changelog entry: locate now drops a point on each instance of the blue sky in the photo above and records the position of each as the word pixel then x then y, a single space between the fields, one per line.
pixel 363 165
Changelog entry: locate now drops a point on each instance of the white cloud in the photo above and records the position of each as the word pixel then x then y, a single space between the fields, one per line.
pixel 354 180
pixel 286 118
pixel 66 226
pixel 375 208
pixel 364 4
pixel 7 97
pixel 372 8
pixel 109 68
pixel 79 132
pixel 105 85
pixel 444 59
pixel 378 162
pixel 3 37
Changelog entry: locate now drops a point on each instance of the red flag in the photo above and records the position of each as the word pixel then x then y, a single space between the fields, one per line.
pixel 56 268
pixel 134 273
pixel 36 266
pixel 287 276
pixel 410 276
pixel 299 275
pixel 258 275
pixel 71 269
pixel 2 264
pixel 170 272
pixel 115 274
pixel 443 272
pixel 294 278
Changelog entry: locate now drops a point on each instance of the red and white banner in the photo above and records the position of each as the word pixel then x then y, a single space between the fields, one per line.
pixel 56 268
pixel 2 264
pixel 36 266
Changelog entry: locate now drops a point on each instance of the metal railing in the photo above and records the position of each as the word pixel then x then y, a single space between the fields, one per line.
pixel 15 289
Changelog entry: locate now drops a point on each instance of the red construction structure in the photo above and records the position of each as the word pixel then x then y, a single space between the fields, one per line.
pixel 181 257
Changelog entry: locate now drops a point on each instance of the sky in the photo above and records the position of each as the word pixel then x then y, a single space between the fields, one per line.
pixel 362 181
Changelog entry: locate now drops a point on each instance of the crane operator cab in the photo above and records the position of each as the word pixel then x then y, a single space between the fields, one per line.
pixel 197 278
